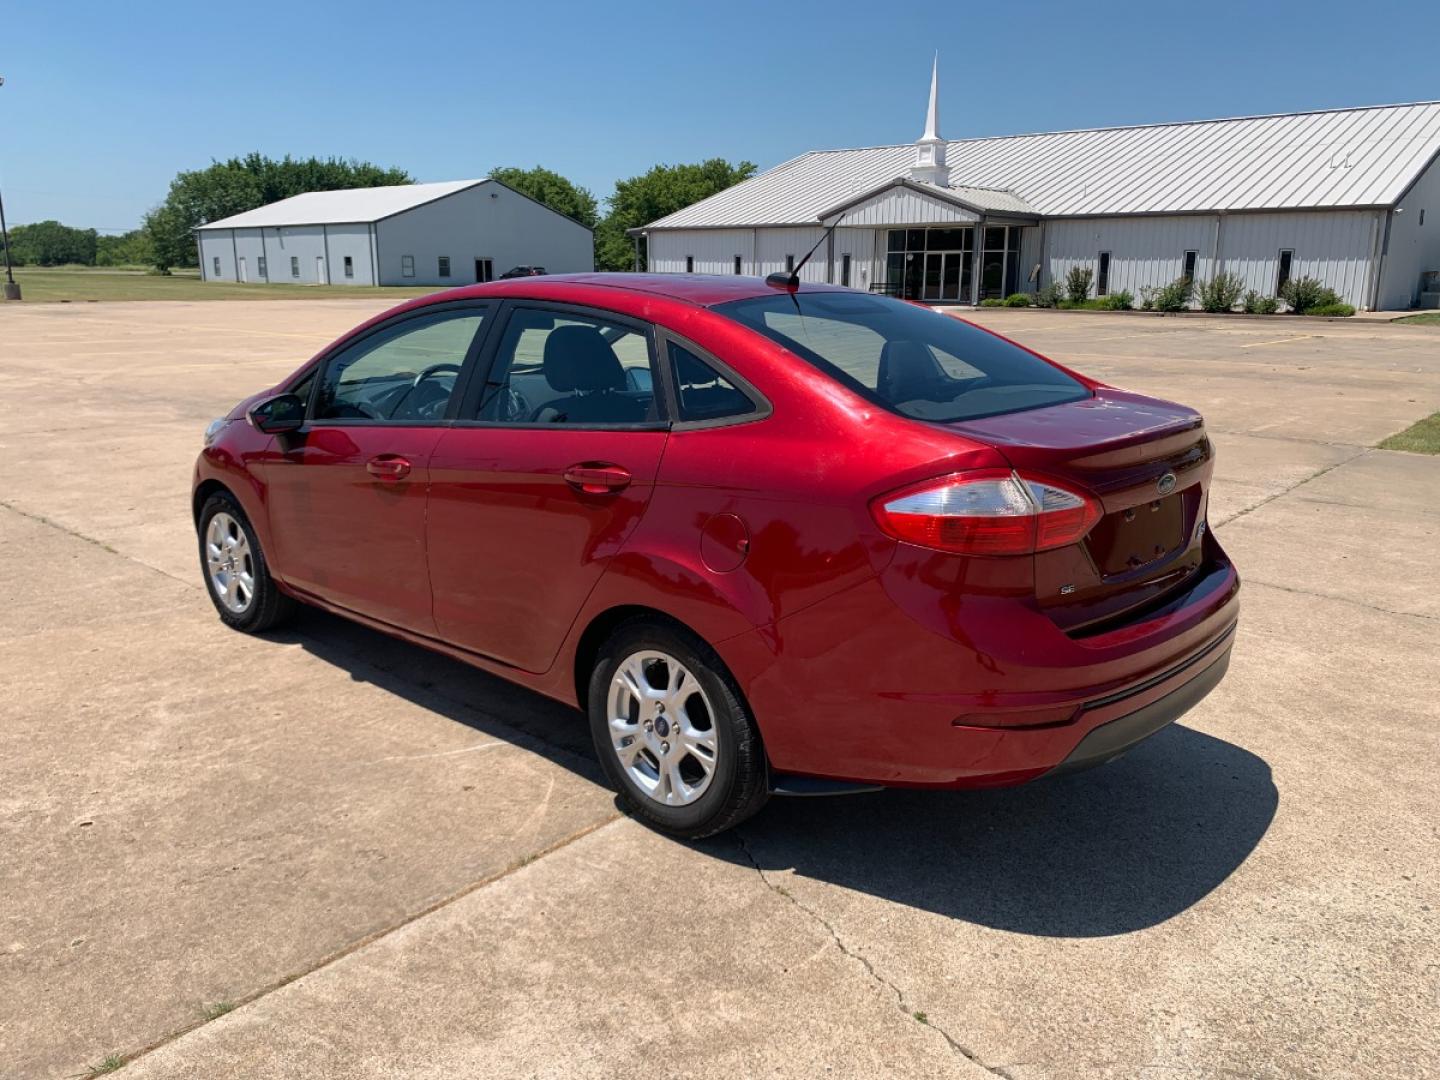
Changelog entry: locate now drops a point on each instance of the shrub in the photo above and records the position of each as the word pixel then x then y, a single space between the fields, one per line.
pixel 1048 296
pixel 1017 299
pixel 1175 296
pixel 1147 297
pixel 1255 304
pixel 1339 308
pixel 1305 293
pixel 1077 283
pixel 991 301
pixel 1220 293
pixel 1124 300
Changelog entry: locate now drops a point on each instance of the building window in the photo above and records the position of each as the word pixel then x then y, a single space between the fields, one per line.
pixel 484 270
pixel 789 264
pixel 260 267
pixel 1102 275
pixel 294 266
pixel 689 264
pixel 845 270
pixel 737 264
pixel 349 266
pixel 1189 271
pixel 217 265
pixel 1422 215
pixel 407 265
pixel 1282 276
pixel 444 265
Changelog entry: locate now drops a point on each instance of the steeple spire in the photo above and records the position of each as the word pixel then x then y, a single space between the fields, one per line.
pixel 932 115
pixel 930 166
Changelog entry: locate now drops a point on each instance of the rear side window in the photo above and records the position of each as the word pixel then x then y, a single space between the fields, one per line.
pixel 703 393
pixel 914 361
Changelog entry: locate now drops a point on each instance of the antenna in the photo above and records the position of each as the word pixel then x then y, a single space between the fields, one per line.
pixel 781 280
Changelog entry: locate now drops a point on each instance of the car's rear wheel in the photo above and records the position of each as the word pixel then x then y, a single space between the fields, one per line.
pixel 673 732
pixel 236 574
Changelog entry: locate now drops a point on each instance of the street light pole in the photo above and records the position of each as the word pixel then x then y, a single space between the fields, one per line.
pixel 12 290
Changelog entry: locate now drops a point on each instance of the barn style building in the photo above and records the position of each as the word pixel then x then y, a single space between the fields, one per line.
pixel 1339 195
pixel 452 233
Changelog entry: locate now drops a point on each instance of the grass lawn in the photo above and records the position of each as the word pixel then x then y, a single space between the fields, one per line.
pixel 1430 318
pixel 39 285
pixel 1421 437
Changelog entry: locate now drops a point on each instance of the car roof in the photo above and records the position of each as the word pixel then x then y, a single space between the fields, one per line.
pixel 701 289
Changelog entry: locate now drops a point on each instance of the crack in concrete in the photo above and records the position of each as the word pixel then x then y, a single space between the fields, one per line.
pixel 900 1000
pixel 1299 483
pixel 43 520
pixel 1249 581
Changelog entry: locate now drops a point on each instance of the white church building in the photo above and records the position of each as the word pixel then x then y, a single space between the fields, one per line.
pixel 1340 195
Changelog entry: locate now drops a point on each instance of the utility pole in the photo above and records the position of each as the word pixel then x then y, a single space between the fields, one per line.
pixel 12 290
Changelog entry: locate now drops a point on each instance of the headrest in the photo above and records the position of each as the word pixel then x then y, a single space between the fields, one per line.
pixel 904 363
pixel 578 358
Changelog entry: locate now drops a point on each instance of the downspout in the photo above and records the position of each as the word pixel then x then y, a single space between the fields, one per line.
pixel 1217 266
pixel 199 255
pixel 1044 256
pixel 235 254
pixel 1379 245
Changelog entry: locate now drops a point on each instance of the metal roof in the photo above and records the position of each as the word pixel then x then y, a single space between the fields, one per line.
pixel 1336 158
pixel 350 205
pixel 976 198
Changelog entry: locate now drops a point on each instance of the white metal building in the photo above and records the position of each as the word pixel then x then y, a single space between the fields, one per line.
pixel 1340 195
pixel 452 233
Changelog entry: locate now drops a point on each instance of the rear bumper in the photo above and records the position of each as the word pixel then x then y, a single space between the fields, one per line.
pixel 1196 678
pixel 988 693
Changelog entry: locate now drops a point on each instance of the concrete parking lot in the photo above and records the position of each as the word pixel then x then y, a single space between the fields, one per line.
pixel 389 864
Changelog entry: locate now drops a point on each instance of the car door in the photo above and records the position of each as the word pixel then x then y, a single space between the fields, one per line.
pixel 347 492
pixel 545 473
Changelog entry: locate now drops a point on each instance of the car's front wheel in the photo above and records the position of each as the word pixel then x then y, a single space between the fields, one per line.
pixel 236 574
pixel 673 733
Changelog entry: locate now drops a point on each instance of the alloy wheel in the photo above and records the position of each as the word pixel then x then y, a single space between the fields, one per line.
pixel 662 728
pixel 230 564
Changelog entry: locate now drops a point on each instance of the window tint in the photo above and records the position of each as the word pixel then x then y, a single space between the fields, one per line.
pixel 557 368
pixel 402 374
pixel 920 363
pixel 703 393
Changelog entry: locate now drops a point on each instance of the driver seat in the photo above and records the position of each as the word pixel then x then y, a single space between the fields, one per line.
pixel 580 363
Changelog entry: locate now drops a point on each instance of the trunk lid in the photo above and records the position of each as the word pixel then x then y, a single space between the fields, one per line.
pixel 1149 462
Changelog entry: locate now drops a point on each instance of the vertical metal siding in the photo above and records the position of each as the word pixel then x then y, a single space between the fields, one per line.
pixel 1333 246
pixel 713 250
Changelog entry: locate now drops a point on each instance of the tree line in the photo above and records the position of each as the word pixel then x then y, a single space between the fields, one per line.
pixel 223 188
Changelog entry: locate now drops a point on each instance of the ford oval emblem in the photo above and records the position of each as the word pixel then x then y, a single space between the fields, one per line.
pixel 1165 484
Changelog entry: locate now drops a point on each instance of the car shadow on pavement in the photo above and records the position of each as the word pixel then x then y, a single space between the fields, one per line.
pixel 1107 851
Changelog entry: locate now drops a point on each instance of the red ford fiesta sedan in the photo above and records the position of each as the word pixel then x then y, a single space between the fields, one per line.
pixel 771 539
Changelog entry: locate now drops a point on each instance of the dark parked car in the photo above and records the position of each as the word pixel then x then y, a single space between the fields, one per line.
pixel 522 271
pixel 771 539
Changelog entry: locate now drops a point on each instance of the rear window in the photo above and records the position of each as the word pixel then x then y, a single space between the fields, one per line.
pixel 919 363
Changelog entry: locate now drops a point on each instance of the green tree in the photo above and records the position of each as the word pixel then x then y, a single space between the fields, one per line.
pixel 48 243
pixel 553 190
pixel 243 183
pixel 129 249
pixel 663 190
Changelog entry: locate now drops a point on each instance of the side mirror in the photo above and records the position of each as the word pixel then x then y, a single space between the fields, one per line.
pixel 279 415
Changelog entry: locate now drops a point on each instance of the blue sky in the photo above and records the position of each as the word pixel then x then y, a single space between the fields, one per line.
pixel 104 102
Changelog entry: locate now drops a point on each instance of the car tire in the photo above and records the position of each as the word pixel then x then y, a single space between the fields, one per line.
pixel 689 714
pixel 237 578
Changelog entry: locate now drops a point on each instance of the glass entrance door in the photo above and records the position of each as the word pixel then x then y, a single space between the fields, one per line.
pixel 947 276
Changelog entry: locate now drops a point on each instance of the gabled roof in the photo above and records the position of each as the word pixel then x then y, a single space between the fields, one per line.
pixel 979 200
pixel 352 205
pixel 1338 158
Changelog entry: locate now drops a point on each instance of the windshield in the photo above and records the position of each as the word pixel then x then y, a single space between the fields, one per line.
pixel 917 362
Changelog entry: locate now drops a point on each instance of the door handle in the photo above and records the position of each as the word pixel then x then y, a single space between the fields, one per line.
pixel 388 467
pixel 597 478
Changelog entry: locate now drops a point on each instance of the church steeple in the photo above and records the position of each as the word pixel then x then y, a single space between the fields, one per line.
pixel 930 164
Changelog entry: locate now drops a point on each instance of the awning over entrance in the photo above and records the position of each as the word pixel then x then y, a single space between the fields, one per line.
pixel 903 201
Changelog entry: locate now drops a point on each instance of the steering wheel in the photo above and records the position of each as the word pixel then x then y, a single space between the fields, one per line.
pixel 433 369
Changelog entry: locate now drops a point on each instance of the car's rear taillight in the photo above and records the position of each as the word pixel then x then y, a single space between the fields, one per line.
pixel 987 512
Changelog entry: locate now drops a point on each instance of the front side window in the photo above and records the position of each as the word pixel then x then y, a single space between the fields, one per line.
pixel 916 362
pixel 702 392
pixel 407 265
pixel 570 369
pixel 403 373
